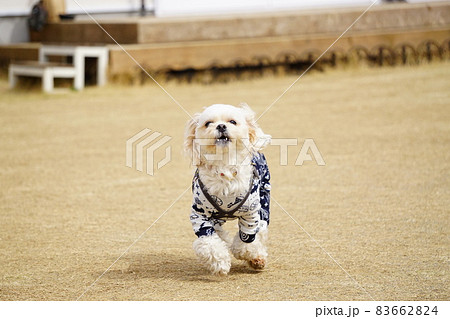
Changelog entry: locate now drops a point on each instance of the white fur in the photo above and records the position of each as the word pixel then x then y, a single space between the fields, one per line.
pixel 213 253
pixel 222 186
pixel 227 174
pixel 224 235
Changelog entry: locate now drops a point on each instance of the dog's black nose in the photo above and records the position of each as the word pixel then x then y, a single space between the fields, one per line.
pixel 221 128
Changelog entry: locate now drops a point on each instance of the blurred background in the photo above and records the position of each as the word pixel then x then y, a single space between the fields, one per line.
pixel 376 104
pixel 208 41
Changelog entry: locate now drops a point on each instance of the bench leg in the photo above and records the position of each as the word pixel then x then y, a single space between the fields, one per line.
pixel 79 71
pixel 12 79
pixel 101 69
pixel 77 82
pixel 47 81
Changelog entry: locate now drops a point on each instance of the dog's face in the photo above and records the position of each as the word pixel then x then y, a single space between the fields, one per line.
pixel 222 125
pixel 221 128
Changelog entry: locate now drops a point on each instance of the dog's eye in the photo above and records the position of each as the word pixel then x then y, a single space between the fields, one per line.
pixel 207 123
pixel 233 122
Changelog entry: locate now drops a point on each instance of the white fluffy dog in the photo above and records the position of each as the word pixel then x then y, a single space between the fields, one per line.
pixel 231 182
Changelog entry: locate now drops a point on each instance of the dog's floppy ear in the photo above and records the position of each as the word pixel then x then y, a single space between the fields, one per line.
pixel 258 140
pixel 189 136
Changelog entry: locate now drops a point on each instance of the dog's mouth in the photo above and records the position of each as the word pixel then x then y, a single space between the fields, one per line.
pixel 223 139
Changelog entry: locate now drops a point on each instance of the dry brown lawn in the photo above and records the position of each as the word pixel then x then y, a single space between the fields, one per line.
pixel 70 207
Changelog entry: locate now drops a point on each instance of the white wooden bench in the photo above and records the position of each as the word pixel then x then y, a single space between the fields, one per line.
pixel 47 71
pixel 79 54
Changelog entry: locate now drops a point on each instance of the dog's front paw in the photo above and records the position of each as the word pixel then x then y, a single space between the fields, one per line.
pixel 213 253
pixel 254 253
pixel 257 263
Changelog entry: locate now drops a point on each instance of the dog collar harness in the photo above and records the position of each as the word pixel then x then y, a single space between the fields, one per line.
pixel 213 201
pixel 251 208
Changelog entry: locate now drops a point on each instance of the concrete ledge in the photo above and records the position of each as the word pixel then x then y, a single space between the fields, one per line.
pixel 309 22
pixel 300 23
pixel 229 53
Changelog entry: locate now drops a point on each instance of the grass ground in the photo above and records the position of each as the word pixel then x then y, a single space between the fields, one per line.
pixel 69 207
